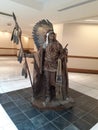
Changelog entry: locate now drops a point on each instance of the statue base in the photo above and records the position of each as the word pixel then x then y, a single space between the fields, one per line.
pixel 54 104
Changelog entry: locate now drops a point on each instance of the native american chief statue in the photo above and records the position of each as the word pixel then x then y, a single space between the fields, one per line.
pixel 50 76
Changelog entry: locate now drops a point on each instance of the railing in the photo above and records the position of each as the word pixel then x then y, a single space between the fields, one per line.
pixel 83 64
pixel 8 51
pixel 71 60
pixel 84 57
pixel 11 51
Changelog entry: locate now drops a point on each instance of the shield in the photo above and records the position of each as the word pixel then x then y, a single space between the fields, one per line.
pixel 40 30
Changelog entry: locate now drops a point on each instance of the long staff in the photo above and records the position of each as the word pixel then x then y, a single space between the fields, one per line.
pixel 19 32
pixel 20 40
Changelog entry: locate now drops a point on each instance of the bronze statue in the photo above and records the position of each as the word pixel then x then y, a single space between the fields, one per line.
pixel 50 76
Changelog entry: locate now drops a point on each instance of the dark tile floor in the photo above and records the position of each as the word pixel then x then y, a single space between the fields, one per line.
pixel 82 116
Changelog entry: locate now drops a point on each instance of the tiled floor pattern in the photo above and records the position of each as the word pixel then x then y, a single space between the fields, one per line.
pixel 17 104
pixel 15 97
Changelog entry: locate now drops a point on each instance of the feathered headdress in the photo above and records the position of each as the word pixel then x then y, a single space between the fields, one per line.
pixel 40 30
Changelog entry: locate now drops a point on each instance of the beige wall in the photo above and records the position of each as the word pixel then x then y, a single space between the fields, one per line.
pixel 58 29
pixel 27 43
pixel 5 42
pixel 83 41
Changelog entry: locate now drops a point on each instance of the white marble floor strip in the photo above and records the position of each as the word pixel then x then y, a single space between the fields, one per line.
pixel 84 83
pixel 95 127
pixel 5 122
pixel 10 74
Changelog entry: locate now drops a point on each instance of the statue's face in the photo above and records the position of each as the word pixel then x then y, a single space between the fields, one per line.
pixel 52 36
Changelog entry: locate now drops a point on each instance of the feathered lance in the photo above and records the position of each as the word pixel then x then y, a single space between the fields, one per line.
pixel 17 40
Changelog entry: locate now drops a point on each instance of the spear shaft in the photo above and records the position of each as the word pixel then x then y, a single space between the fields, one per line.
pixel 17 26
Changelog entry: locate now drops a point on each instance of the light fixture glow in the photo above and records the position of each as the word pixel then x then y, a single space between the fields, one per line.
pixel 5 33
pixel 26 38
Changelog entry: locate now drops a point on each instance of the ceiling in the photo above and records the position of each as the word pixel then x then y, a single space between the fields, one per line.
pixel 28 12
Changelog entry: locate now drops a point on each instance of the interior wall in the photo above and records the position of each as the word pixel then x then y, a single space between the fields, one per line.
pixel 5 42
pixel 9 48
pixel 82 41
pixel 58 29
pixel 27 42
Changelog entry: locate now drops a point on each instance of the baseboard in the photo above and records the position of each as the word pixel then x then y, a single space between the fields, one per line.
pixel 8 55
